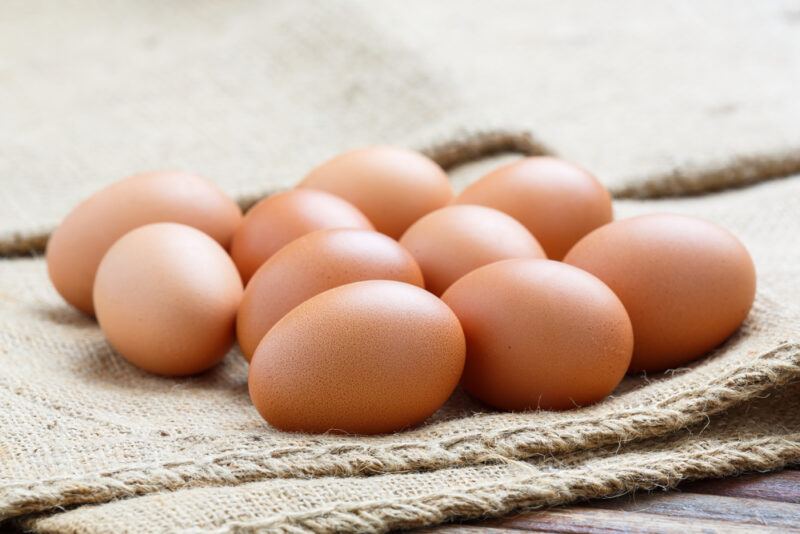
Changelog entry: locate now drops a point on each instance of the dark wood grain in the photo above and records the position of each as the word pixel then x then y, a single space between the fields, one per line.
pixel 750 503
pixel 469 529
pixel 586 520
pixel 712 507
pixel 783 486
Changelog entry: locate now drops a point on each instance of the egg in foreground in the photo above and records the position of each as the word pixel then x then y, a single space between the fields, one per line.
pixel 687 283
pixel 364 358
pixel 166 297
pixel 540 334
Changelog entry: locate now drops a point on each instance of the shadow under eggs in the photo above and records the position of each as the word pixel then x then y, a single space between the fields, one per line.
pixel 64 315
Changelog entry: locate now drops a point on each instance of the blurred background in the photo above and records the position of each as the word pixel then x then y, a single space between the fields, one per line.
pixel 253 93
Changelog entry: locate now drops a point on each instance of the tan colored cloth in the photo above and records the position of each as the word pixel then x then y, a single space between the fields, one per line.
pixel 83 426
pixel 761 435
pixel 251 94
pixel 659 100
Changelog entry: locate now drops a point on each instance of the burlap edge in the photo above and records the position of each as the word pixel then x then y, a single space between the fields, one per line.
pixel 767 370
pixel 523 494
pixel 684 408
pixel 578 480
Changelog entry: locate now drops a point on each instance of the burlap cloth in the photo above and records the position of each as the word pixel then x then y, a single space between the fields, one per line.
pixel 252 94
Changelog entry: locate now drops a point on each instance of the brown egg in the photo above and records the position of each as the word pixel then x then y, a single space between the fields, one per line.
pixel 312 264
pixel 166 296
pixel 76 247
pixel 450 242
pixel 365 358
pixel 392 186
pixel 282 218
pixel 687 284
pixel 557 201
pixel 540 334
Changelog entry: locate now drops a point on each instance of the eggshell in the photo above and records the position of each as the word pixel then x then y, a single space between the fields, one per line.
pixel 450 242
pixel 687 283
pixel 166 296
pixel 366 358
pixel 76 247
pixel 392 186
pixel 540 334
pixel 282 218
pixel 312 264
pixel 557 201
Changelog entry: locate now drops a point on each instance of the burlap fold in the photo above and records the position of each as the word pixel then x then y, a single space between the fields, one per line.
pixel 83 426
pixel 763 435
pixel 251 94
pixel 664 102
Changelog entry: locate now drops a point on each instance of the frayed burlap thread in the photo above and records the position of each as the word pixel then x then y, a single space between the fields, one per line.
pixel 763 435
pixel 252 95
pixel 683 409
pixel 115 432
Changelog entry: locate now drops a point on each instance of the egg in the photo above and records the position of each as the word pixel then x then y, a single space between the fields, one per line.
pixel 312 264
pixel 452 241
pixel 558 202
pixel 76 247
pixel 366 358
pixel 166 295
pixel 392 186
pixel 687 283
pixel 540 334
pixel 281 218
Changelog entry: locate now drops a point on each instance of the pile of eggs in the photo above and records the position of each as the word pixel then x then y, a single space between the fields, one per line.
pixel 364 296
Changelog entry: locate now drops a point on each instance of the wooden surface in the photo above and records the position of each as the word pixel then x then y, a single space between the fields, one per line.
pixel 750 503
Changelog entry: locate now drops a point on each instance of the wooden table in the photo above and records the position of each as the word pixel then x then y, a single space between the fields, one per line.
pixel 750 503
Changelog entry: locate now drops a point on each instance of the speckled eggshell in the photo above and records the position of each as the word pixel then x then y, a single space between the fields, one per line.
pixel 540 334
pixel 166 296
pixel 76 247
pixel 281 218
pixel 365 358
pixel 452 241
pixel 558 202
pixel 312 264
pixel 392 186
pixel 687 283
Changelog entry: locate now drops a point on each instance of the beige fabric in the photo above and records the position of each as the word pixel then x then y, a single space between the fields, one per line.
pixel 253 93
pixel 630 89
pixel 247 93
pixel 762 435
pixel 664 99
pixel 82 426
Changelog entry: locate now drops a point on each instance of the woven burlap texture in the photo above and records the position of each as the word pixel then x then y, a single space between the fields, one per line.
pixel 765 434
pixel 83 426
pixel 657 100
pixel 251 94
